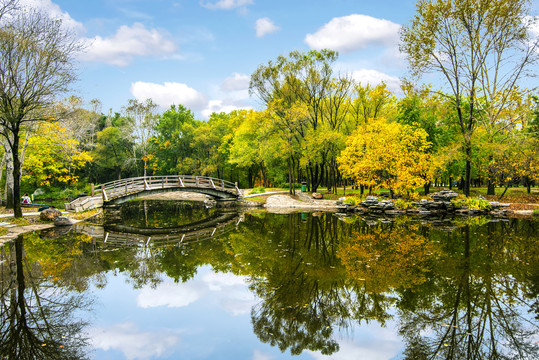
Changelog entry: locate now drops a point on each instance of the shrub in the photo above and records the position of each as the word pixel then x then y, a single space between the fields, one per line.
pixel 258 190
pixel 352 200
pixel 403 204
pixel 472 203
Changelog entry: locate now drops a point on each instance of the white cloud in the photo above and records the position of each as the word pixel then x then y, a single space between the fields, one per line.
pixel 133 343
pixel 170 295
pixel 265 26
pixel 128 43
pixel 225 4
pixel 354 32
pixel 374 77
pixel 218 106
pixel 169 93
pixel 55 12
pixel 236 82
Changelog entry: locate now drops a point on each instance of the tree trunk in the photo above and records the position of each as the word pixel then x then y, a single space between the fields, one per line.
pixel 468 176
pixel 8 195
pixel 491 187
pixel 290 190
pixel 426 187
pixel 17 210
pixel 2 171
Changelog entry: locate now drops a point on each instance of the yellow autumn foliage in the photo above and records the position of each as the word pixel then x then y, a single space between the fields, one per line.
pixel 388 155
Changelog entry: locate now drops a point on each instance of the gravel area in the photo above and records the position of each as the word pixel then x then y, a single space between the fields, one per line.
pixel 301 201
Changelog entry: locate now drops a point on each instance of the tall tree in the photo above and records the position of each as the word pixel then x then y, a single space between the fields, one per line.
pixel 306 79
pixel 481 48
pixel 141 119
pixel 37 55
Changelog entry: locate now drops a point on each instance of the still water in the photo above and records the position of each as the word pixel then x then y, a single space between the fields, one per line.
pixel 167 280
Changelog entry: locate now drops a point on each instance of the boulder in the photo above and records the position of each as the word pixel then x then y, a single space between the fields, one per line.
pixel 62 221
pixel 49 214
pixel 444 195
pixel 317 196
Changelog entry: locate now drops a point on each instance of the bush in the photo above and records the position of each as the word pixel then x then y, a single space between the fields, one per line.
pixel 471 203
pixel 352 200
pixel 258 190
pixel 403 204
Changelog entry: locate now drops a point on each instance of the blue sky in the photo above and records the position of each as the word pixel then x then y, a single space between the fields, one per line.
pixel 200 53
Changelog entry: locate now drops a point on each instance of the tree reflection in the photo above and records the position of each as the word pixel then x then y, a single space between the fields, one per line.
pixel 37 317
pixel 462 294
pixel 476 308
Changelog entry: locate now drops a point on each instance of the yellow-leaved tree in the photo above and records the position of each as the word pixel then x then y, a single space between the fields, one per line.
pixel 389 155
pixel 53 157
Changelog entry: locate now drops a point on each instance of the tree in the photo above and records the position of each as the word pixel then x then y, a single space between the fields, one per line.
pixel 141 119
pixel 480 48
pixel 53 157
pixel 172 143
pixel 389 155
pixel 305 79
pixel 37 55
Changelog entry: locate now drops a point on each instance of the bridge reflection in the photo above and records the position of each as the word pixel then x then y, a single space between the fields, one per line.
pixel 119 235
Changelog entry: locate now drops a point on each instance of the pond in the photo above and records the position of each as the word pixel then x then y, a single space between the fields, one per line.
pixel 168 280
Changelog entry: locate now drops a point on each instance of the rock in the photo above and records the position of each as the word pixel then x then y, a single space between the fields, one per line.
pixel 499 212
pixel 49 214
pixel 444 195
pixel 62 221
pixel 317 196
pixel 395 212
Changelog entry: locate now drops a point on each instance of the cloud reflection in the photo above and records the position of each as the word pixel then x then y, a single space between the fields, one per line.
pixel 227 290
pixel 373 343
pixel 134 344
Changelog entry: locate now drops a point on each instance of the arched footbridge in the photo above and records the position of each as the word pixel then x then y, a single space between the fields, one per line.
pixel 120 191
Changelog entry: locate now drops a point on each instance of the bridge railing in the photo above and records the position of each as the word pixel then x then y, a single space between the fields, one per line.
pixel 124 187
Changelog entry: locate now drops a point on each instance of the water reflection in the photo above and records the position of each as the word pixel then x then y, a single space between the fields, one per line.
pixel 458 290
pixel 37 316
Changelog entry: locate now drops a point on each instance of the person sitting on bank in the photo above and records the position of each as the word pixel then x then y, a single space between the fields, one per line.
pixel 26 199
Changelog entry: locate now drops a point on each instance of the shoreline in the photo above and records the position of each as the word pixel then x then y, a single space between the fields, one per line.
pixel 276 203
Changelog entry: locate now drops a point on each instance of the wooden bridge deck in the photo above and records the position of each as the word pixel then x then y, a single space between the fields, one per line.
pixel 120 188
pixel 124 189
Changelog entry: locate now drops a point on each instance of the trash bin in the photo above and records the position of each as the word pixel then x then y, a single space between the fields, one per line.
pixel 303 187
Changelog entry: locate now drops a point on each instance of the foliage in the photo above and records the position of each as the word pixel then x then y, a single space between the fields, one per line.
pixel 258 190
pixel 53 158
pixel 352 200
pixel 389 155
pixel 37 56
pixel 472 203
pixel 403 204
pixel 480 50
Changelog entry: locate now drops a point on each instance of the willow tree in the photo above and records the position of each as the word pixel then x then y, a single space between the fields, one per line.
pixel 480 48
pixel 37 56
